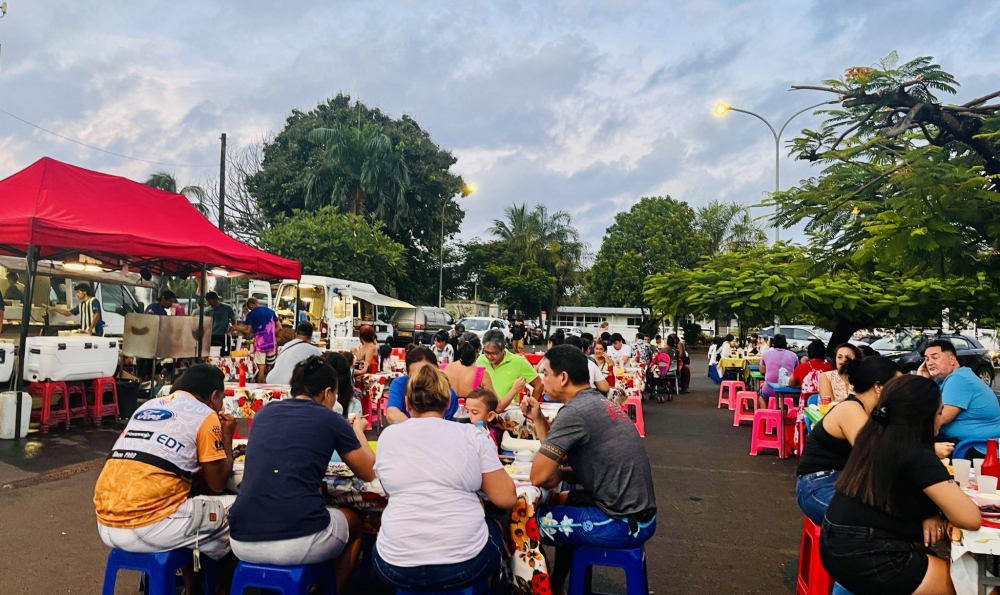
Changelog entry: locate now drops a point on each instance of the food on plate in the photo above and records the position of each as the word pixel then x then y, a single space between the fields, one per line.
pixel 239 452
pixel 339 470
pixel 512 469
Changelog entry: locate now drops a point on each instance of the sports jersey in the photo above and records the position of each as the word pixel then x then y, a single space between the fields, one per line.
pixel 148 473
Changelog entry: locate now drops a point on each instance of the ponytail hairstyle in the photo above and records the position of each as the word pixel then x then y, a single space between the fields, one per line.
pixel 428 390
pixel 902 422
pixel 345 376
pixel 312 376
pixel 468 347
pixel 864 374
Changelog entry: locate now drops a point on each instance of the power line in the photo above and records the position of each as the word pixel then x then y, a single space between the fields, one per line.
pixel 83 144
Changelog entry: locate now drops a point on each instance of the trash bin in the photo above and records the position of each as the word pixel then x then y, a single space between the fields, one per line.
pixel 128 397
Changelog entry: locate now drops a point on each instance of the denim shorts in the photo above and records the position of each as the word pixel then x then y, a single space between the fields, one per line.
pixel 871 562
pixel 813 492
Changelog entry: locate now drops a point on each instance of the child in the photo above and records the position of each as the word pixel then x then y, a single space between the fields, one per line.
pixel 481 404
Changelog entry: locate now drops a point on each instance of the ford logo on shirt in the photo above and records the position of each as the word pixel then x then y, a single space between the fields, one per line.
pixel 152 415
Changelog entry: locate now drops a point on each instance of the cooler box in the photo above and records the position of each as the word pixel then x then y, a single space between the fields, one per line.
pixel 8 413
pixel 6 361
pixel 69 359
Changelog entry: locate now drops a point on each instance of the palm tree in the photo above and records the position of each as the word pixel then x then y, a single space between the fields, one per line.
pixel 166 181
pixel 518 231
pixel 360 172
pixel 728 227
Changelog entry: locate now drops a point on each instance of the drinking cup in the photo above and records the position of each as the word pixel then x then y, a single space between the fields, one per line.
pixel 962 468
pixel 977 465
pixel 988 484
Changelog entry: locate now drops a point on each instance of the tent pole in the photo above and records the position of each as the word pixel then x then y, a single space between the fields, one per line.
pixel 201 310
pixel 26 301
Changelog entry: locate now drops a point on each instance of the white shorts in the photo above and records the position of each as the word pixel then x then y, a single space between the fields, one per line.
pixel 170 533
pixel 308 549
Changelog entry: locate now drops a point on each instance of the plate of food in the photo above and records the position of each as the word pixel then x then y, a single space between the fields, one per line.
pixel 339 470
pixel 516 473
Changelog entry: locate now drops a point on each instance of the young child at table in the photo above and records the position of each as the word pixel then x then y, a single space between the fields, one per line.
pixel 481 404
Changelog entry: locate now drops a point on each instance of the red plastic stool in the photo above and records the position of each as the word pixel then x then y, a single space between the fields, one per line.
pixel 48 412
pixel 633 406
pixel 740 415
pixel 76 397
pixel 760 438
pixel 102 406
pixel 812 577
pixel 732 386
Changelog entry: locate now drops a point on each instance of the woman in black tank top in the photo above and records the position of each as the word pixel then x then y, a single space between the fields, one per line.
pixel 830 441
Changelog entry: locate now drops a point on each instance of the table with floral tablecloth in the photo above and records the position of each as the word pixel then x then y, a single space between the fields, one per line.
pixel 230 366
pixel 373 386
pixel 632 379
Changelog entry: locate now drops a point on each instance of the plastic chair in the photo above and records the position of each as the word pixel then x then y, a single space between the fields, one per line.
pixel 963 447
pixel 760 438
pixel 159 570
pixel 102 406
pixel 633 406
pixel 791 411
pixel 49 411
pixel 287 580
pixel 480 588
pixel 812 578
pixel 76 398
pixel 633 562
pixel 732 386
pixel 812 400
pixel 740 414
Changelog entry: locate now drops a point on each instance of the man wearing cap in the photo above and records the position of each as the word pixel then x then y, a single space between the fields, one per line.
pixel 167 299
pixel 223 318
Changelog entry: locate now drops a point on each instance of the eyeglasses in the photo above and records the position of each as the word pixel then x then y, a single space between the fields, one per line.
pixel 492 353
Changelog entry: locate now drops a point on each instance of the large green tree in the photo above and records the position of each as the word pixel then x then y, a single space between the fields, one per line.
pixel 280 187
pixel 333 244
pixel 727 227
pixel 657 235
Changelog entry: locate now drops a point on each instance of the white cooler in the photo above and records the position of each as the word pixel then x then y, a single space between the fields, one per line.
pixel 6 361
pixel 8 414
pixel 69 359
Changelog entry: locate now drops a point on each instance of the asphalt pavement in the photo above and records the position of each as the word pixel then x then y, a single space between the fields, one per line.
pixel 727 522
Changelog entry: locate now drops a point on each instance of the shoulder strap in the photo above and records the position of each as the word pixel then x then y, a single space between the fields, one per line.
pixel 479 377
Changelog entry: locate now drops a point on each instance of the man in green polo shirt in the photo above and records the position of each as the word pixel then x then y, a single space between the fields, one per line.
pixel 505 368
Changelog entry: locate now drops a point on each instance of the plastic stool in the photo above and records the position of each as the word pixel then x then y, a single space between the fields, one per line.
pixel 812 577
pixel 744 397
pixel 633 406
pixel 480 588
pixel 760 438
pixel 791 411
pixel 76 399
pixel 287 580
pixel 159 570
pixel 732 386
pixel 47 413
pixel 101 406
pixel 633 562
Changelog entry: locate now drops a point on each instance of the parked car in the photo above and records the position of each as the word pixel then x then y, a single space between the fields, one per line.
pixel 569 330
pixel 798 336
pixel 534 333
pixel 420 324
pixel 480 324
pixel 906 349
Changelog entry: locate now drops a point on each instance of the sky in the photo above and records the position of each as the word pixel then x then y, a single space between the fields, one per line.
pixel 583 106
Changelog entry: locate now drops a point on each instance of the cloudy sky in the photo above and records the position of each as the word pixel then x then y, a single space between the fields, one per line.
pixel 585 106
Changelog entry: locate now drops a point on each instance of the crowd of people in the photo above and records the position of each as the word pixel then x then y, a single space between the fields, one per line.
pixel 164 485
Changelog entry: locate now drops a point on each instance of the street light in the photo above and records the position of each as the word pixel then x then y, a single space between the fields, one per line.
pixel 722 108
pixel 466 191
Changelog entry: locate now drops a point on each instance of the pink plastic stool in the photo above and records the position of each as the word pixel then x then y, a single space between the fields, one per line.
pixel 732 386
pixel 791 412
pixel 633 406
pixel 760 438
pixel 744 397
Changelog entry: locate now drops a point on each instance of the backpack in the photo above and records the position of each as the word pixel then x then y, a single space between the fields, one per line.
pixel 810 384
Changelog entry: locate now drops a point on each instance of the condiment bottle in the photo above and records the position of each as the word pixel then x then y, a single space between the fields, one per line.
pixel 243 374
pixel 991 465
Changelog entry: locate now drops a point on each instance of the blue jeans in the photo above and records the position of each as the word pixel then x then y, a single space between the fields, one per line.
pixel 445 577
pixel 575 526
pixel 813 492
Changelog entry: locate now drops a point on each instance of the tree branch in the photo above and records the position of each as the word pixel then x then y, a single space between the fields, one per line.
pixel 815 88
pixel 855 127
pixel 905 123
pixel 982 99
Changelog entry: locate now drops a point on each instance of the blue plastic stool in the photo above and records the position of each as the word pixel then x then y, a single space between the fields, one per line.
pixel 159 570
pixel 633 562
pixel 287 580
pixel 479 588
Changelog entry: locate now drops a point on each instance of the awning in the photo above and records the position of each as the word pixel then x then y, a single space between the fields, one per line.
pixel 47 268
pixel 380 300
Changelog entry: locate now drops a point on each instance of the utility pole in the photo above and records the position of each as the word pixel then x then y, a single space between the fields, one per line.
pixel 222 186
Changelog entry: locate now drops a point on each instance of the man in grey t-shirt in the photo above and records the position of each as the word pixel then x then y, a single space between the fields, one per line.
pixel 605 456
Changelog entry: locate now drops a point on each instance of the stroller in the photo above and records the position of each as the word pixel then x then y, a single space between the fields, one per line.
pixel 662 377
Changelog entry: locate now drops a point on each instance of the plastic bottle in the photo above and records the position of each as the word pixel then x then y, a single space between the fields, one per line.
pixel 991 465
pixel 462 415
pixel 782 377
pixel 482 427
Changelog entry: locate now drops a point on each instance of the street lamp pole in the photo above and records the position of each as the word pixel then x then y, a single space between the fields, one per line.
pixel 469 189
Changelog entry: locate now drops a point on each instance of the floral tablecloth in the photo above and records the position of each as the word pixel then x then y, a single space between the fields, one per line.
pixel 373 386
pixel 354 493
pixel 632 379
pixel 230 366
pixel 529 571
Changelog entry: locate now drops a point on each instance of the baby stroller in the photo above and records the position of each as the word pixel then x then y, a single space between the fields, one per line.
pixel 663 377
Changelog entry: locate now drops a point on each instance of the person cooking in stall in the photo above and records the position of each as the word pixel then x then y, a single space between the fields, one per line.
pixel 88 309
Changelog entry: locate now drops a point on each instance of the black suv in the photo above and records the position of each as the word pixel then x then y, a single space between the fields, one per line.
pixel 906 348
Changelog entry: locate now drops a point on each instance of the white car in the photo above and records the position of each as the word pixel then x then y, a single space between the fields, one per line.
pixel 569 330
pixel 480 324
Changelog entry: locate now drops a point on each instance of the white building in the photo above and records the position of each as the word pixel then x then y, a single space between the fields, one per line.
pixel 620 320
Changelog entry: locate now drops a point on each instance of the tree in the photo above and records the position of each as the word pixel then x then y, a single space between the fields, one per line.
pixel 166 181
pixel 657 235
pixel 728 227
pixel 360 172
pixel 244 218
pixel 280 187
pixel 332 244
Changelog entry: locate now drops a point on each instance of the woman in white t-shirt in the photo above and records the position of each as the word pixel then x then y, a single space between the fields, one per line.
pixel 435 535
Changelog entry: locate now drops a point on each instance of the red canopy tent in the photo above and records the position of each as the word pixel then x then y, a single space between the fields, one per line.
pixel 53 210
